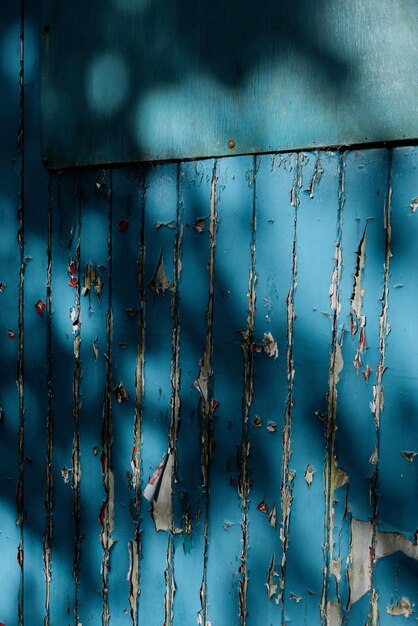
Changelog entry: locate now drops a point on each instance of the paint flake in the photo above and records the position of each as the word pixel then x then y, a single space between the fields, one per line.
pixel 95 348
pixel 171 225
pixel 159 282
pixel 366 373
pixel 414 205
pixel 123 226
pixel 92 281
pixel 200 224
pixel 409 456
pixel 270 346
pixel 162 502
pixel 66 474
pixel 333 614
pixel 273 516
pixel 272 427
pixel 309 475
pixel 296 598
pixel 271 583
pixel 40 307
pixel 263 507
pixel 121 393
pixel 402 607
pixel 386 544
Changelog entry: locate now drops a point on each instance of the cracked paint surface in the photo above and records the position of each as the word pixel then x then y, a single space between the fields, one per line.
pixel 178 363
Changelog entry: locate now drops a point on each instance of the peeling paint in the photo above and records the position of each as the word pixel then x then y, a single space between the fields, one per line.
pixel 366 541
pixel 316 177
pixel 270 347
pixel 402 607
pixel 205 386
pixel 121 393
pixel 133 577
pixel 40 306
pixel 358 291
pixel 409 456
pixel 92 281
pixel 162 500
pixel 309 475
pixel 334 476
pixel 413 205
pixel 333 614
pixel 159 282
pixel 288 475
pixel 263 507
pixel 272 584
pixel 273 516
pixel 107 511
pixel 377 404
pixel 170 585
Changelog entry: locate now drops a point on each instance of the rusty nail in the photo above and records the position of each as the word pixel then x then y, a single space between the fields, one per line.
pixel 231 144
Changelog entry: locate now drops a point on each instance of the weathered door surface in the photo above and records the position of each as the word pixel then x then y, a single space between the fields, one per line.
pixel 208 383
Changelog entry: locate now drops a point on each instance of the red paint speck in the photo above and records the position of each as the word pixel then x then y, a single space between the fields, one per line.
pixel 123 226
pixel 263 507
pixel 11 333
pixel 73 282
pixel 72 268
pixel 40 306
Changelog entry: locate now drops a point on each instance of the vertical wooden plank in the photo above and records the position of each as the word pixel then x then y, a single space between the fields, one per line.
pixel 274 261
pixel 317 238
pixel 363 251
pixel 65 336
pixel 10 262
pixel 37 365
pixel 126 227
pixel 93 439
pixel 233 266
pixel 396 580
pixel 198 197
pixel 160 228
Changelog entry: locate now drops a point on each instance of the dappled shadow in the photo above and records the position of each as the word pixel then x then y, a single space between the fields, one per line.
pixel 227 51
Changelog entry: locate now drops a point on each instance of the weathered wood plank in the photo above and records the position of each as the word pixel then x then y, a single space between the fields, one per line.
pixel 11 197
pixel 198 185
pixel 314 344
pixel 38 439
pixel 127 81
pixel 268 430
pixel 227 518
pixel 160 229
pixel 93 441
pixel 65 281
pixel 126 229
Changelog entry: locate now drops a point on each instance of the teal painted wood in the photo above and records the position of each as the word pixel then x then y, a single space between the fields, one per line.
pixel 228 280
pixel 192 490
pixel 38 440
pixel 10 202
pixel 227 511
pixel 64 210
pixel 161 206
pixel 274 267
pixel 133 81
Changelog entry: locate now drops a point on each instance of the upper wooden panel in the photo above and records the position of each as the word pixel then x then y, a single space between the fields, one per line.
pixel 129 80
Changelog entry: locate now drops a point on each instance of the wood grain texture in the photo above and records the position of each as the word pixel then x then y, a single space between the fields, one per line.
pixel 138 80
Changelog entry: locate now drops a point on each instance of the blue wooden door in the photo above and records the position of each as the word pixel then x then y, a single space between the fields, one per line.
pixel 208 389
